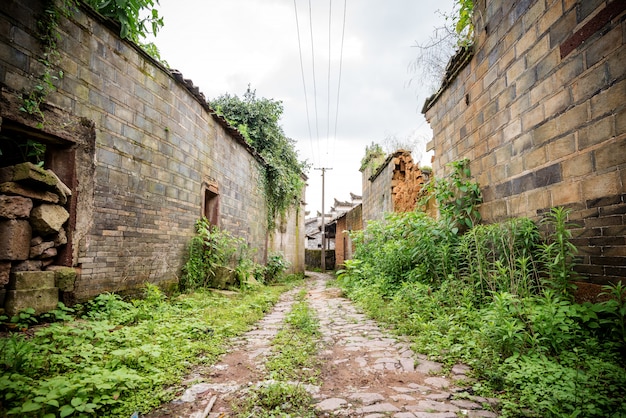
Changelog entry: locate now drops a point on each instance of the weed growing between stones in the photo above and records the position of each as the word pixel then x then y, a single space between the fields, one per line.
pixel 117 357
pixel 295 346
pixel 276 399
pixel 292 364
pixel 496 298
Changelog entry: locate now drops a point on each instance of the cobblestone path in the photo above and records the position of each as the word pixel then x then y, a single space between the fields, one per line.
pixel 367 372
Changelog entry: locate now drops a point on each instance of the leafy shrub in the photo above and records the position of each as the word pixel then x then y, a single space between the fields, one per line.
pixel 274 268
pixel 496 298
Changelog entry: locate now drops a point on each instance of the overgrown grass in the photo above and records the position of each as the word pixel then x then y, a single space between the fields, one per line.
pixel 293 363
pixel 496 298
pixel 295 346
pixel 119 357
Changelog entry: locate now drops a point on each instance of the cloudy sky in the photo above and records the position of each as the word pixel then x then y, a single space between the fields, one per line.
pixel 225 45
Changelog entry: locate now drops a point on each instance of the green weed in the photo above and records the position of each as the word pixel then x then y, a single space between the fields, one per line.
pixel 120 355
pixel 276 399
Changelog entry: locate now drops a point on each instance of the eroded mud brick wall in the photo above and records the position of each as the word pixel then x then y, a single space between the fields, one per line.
pixel 159 156
pixel 391 187
pixel 540 111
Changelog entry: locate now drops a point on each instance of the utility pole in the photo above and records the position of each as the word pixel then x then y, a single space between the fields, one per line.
pixel 323 221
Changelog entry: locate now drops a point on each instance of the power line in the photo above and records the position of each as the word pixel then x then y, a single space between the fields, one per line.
pixel 317 130
pixel 330 16
pixel 306 100
pixel 343 34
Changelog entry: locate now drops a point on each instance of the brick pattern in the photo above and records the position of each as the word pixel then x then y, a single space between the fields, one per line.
pixel 156 143
pixel 540 111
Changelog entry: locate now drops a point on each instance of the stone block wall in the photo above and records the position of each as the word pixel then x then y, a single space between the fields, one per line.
pixel 539 108
pixel 33 230
pixel 141 179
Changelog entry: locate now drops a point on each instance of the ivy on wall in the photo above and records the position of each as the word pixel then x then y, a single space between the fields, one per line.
pixel 257 120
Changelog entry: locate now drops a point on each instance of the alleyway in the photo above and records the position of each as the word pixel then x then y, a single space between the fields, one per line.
pixel 366 372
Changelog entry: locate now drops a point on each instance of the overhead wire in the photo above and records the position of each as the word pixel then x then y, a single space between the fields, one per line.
pixel 317 129
pixel 306 100
pixel 320 160
pixel 343 34
pixel 330 18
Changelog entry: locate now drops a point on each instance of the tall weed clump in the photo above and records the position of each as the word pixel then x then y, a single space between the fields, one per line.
pixel 496 297
pixel 212 248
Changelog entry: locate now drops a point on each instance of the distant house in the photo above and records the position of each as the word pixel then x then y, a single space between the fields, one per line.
pixel 345 223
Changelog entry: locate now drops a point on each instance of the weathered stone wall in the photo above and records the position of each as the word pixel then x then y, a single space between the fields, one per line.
pixel 289 239
pixel 392 187
pixel 540 111
pixel 377 198
pixel 157 148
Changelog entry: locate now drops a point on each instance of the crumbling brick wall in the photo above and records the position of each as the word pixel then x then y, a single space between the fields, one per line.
pixel 391 187
pixel 406 183
pixel 538 107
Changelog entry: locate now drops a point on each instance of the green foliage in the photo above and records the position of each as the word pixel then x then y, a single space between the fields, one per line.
pixel 295 346
pixel 276 399
pixel 458 197
pixel 496 298
pixel 374 156
pixel 501 257
pixel 462 22
pixel 121 357
pixel 212 248
pixel 24 318
pixel 558 251
pixel 137 18
pixel 257 120
pixel 274 268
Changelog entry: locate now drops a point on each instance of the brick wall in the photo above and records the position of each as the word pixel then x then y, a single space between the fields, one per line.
pixel 350 221
pixel 157 148
pixel 539 108
pixel 376 186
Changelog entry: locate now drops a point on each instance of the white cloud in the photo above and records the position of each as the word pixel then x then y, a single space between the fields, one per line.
pixel 225 45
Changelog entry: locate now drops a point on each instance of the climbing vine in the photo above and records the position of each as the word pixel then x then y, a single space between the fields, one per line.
pixel 257 120
pixel 48 27
pixel 128 13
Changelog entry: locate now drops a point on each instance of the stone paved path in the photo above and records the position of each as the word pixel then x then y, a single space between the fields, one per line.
pixel 366 373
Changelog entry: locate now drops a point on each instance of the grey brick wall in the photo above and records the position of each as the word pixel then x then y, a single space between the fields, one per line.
pixel 540 111
pixel 156 143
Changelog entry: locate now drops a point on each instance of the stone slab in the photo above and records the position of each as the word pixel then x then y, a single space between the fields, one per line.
pixel 48 219
pixel 64 277
pixel 31 280
pixel 16 189
pixel 5 270
pixel 15 239
pixel 42 300
pixel 15 207
pixel 27 172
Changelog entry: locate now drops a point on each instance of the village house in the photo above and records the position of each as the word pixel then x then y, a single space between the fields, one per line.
pixel 537 105
pixel 137 154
